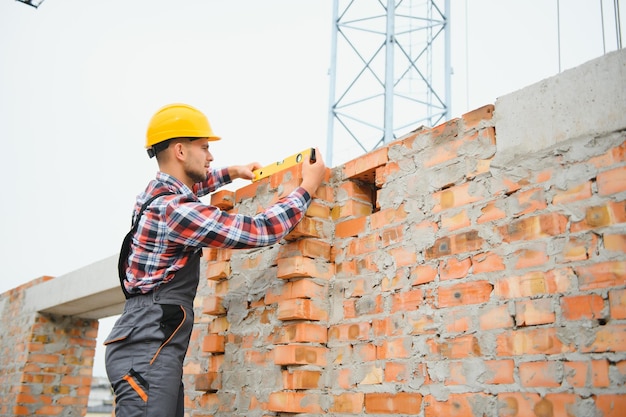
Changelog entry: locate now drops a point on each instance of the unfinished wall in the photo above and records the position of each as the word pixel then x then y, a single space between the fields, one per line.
pixel 46 361
pixel 426 280
pixel 464 270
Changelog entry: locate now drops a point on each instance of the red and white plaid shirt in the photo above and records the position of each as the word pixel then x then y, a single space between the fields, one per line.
pixel 175 225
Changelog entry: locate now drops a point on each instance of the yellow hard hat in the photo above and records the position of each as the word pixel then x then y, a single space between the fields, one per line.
pixel 177 120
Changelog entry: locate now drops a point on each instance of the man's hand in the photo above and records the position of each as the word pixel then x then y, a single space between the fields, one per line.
pixel 243 171
pixel 313 173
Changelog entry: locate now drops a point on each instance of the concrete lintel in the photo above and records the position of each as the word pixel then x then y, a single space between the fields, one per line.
pixel 91 292
pixel 588 100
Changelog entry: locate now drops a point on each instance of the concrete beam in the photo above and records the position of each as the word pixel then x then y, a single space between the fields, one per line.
pixel 584 101
pixel 92 292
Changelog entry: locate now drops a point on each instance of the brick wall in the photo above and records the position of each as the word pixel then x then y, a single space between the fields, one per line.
pixel 426 281
pixel 46 361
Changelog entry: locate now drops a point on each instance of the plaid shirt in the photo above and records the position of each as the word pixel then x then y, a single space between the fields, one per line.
pixel 174 226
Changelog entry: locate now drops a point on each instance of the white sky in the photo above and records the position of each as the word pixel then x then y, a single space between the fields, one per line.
pixel 80 79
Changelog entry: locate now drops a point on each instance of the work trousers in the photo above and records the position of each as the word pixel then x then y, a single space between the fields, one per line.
pixel 147 346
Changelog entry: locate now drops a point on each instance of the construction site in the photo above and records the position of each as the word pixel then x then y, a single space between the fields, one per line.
pixel 475 267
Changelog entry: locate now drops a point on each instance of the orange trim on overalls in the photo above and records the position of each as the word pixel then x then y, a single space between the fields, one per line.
pixel 135 386
pixel 172 335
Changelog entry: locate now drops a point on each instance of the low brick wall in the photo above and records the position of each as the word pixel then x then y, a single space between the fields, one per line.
pixel 46 361
pixel 425 281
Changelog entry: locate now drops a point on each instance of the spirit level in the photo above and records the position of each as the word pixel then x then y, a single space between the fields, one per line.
pixel 284 164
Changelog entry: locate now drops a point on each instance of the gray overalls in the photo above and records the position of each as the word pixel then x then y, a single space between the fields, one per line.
pixel 147 346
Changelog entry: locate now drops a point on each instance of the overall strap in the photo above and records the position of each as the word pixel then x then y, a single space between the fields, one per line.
pixel 125 250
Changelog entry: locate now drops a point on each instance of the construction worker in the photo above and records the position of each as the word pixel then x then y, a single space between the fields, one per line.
pixel 160 258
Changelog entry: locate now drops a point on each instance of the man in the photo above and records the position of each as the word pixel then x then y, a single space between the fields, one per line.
pixel 159 261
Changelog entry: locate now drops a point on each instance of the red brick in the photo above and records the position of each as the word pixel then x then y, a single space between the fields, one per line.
pixel 394 348
pixel 612 181
pixel 300 332
pixel 576 193
pixel 580 248
pixel 457 196
pixel 581 374
pixel 393 403
pixel 499 372
pixel 608 338
pixel 213 343
pixel 487 262
pixel 301 379
pixel 387 327
pixel 403 256
pixel 578 307
pixel 474 292
pixel 307 227
pixel 617 303
pixel 495 317
pixel 491 212
pixel 601 275
pixel 354 190
pixel 351 208
pixel 310 248
pixel 299 288
pixel 208 382
pixel 453 268
pixel 223 199
pixel 318 210
pixel 536 283
pixel 392 235
pixel 455 348
pixel 386 217
pixel 423 274
pixel 351 227
pixel 365 352
pixel 530 342
pixel 527 404
pixel 456 221
pixel 397 372
pixel 300 266
pixel 611 157
pixel 531 257
pixel 218 270
pixel 540 374
pixel 364 167
pixel 472 118
pixel 300 355
pixel 536 227
pixel 213 305
pixel 611 405
pixel 407 300
pixel 248 191
pixel 528 201
pixel 601 216
pixel 366 244
pixel 294 402
pixel 455 405
pixel 534 312
pixel 457 320
pixel 301 309
pixel 348 403
pixel 614 242
pixel 349 332
pixel 455 245
pixel 441 152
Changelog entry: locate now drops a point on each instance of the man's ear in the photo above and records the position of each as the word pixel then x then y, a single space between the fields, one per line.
pixel 179 150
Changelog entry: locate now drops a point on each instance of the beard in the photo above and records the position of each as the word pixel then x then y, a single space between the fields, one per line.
pixel 197 175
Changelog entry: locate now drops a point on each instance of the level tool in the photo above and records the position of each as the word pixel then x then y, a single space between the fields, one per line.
pixel 284 164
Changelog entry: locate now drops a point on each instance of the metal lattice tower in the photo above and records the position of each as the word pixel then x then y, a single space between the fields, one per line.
pixel 390 72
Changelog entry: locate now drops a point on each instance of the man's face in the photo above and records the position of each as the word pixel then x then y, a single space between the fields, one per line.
pixel 198 159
